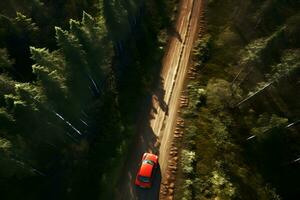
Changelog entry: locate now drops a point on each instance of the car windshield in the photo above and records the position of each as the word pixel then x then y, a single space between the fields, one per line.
pixel 148 162
pixel 144 179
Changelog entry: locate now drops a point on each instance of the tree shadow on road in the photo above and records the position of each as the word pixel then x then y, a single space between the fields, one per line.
pixel 158 96
pixel 146 141
pixel 174 32
pixel 153 192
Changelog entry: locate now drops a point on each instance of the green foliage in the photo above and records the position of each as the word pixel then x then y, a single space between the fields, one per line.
pixel 255 52
pixel 116 19
pixel 5 62
pixel 188 158
pixel 220 135
pixel 210 135
pixel 290 62
pixel 201 50
pixel 30 23
pixel 221 95
pixel 5 145
pixel 187 162
pixel 60 105
pixel 7 87
pixel 227 36
pixel 221 186
pixel 187 192
pixel 67 84
pixel 266 123
pixel 6 119
pixel 293 31
pixel 288 66
pixel 26 25
pixel 198 97
pixel 94 43
pixel 253 49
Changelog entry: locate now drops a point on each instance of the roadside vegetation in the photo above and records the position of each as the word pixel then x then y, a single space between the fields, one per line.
pixel 73 75
pixel 241 139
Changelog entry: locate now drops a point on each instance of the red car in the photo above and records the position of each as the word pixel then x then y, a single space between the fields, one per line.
pixel 146 171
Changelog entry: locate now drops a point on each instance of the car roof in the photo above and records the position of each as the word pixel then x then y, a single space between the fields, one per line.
pixel 146 169
pixel 150 156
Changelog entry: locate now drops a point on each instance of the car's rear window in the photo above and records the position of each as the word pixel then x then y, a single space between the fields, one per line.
pixel 144 179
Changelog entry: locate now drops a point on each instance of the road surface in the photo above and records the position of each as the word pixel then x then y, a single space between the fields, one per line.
pixel 157 131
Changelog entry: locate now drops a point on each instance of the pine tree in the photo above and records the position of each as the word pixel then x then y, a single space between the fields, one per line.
pixel 49 69
pixel 50 116
pixel 5 62
pixel 116 19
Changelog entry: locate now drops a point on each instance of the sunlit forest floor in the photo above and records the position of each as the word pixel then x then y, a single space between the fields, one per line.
pixel 241 139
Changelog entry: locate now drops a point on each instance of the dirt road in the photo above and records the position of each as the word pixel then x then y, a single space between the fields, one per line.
pixel 157 132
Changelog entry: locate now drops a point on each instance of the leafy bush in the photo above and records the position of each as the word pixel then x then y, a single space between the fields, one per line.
pixel 201 50
pixel 187 192
pixel 187 161
pixel 221 186
pixel 220 94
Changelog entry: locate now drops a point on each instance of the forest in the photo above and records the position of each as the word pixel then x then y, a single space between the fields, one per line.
pixel 77 71
pixel 80 72
pixel 242 138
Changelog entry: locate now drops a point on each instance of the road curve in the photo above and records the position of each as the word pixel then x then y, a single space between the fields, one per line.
pixel 155 134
